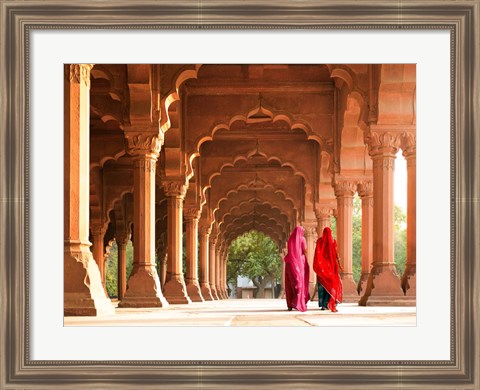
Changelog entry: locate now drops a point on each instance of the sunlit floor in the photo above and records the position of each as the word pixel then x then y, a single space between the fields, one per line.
pixel 252 312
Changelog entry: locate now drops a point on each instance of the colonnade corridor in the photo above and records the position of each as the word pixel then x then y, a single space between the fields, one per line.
pixel 168 166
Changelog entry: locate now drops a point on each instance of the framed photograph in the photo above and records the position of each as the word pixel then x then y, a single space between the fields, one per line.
pixel 41 39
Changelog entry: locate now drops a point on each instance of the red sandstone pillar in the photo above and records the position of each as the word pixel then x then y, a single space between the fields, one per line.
pixel 218 270
pixel 191 222
pixel 324 220
pixel 143 287
pixel 212 268
pixel 383 285
pixel 204 285
pixel 225 282
pixel 223 276
pixel 175 290
pixel 282 256
pixel 98 234
pixel 310 230
pixel 365 190
pixel 409 279
pixel 163 259
pixel 122 266
pixel 80 298
pixel 344 191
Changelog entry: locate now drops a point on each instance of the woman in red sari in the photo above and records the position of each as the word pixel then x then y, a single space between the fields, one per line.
pixel 325 265
pixel 296 271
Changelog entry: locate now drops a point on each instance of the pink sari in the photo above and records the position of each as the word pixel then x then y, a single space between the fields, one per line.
pixel 296 271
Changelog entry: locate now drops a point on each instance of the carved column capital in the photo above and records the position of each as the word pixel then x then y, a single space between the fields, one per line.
pixel 79 73
pixel 383 143
pixel 122 239
pixel 204 231
pixel 174 188
pixel 365 188
pixel 409 145
pixel 191 213
pixel 144 144
pixel 324 212
pixel 98 230
pixel 345 188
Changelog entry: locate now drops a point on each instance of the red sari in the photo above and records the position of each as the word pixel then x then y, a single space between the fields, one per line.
pixel 297 271
pixel 326 267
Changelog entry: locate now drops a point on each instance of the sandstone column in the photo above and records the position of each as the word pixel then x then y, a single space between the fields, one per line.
pixel 163 259
pixel 324 215
pixel 84 294
pixel 212 267
pixel 143 287
pixel 311 238
pixel 282 256
pixel 218 270
pixel 365 190
pixel 409 279
pixel 224 275
pixel 383 286
pixel 122 242
pixel 204 269
pixel 191 222
pixel 175 289
pixel 344 191
pixel 225 281
pixel 98 234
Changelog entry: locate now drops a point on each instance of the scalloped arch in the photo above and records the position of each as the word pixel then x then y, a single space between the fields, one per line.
pixel 277 116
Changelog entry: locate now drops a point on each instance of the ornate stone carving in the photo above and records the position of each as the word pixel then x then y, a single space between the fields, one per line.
pixel 384 143
pixel 365 188
pixel 204 231
pixel 191 213
pixel 384 162
pixel 324 212
pixel 98 230
pixel 409 145
pixel 142 143
pixel 80 73
pixel 345 188
pixel 175 188
pixel 148 162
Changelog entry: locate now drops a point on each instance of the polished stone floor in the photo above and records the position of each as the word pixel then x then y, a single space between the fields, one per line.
pixel 252 312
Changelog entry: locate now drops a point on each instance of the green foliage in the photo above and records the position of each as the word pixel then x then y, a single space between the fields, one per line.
pixel 255 256
pixel 111 268
pixel 357 238
pixel 400 236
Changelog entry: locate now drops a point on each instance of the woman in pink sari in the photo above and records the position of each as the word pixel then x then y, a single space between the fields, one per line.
pixel 296 271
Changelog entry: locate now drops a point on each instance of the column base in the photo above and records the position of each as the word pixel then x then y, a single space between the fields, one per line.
pixel 409 281
pixel 350 293
pixel 383 288
pixel 176 291
pixel 193 291
pixel 143 289
pixel 225 293
pixel 214 292
pixel 362 283
pixel 206 293
pixel 80 299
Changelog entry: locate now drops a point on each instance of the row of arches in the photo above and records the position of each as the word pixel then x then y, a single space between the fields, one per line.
pixel 212 151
